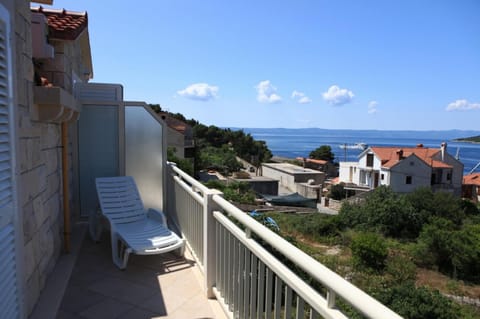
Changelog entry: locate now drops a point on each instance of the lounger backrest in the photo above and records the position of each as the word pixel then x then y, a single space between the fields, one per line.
pixel 119 199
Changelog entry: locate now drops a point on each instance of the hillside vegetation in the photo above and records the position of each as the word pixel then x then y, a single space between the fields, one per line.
pixel 408 251
pixel 475 139
pixel 217 148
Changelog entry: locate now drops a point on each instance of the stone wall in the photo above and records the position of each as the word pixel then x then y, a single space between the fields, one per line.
pixel 39 168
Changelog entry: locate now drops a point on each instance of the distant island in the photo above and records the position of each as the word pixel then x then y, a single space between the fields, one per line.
pixel 472 139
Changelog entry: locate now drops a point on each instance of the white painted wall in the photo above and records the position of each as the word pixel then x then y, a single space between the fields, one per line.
pixel 177 140
pixel 362 161
pixel 386 177
pixel 285 180
pixel 348 172
pixel 457 172
pixel 410 166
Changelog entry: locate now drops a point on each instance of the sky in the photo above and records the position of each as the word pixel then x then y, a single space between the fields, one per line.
pixel 388 65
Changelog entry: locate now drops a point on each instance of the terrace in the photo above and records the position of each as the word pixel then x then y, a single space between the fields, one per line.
pixel 226 272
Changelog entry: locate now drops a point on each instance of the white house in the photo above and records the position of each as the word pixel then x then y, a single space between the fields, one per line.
pixel 405 168
pixel 179 136
pixel 293 177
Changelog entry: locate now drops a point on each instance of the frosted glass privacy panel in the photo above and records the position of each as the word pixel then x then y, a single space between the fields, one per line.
pixel 144 154
pixel 97 151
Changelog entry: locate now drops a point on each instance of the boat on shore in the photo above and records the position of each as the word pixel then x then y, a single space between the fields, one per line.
pixel 356 146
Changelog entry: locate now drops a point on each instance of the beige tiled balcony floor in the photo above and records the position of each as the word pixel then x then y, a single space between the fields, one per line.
pixel 155 286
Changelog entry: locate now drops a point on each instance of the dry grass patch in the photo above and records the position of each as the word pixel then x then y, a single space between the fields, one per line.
pixel 436 280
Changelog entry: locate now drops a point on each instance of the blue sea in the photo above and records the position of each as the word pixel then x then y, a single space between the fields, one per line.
pixel 293 143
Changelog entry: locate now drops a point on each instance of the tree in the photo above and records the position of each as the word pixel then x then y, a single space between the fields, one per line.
pixel 323 152
pixel 384 211
pixel 184 164
pixel 454 251
pixel 222 159
pixel 156 108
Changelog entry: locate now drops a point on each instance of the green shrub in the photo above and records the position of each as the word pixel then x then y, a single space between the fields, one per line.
pixel 239 192
pixel 417 303
pixel 404 216
pixel 318 227
pixel 453 250
pixel 184 164
pixel 338 192
pixel 386 212
pixel 400 269
pixel 222 159
pixel 369 250
pixel 448 206
pixel 469 208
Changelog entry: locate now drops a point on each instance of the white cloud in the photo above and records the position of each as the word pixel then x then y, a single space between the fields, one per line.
pixel 199 91
pixel 372 107
pixel 462 105
pixel 305 100
pixel 300 97
pixel 266 92
pixel 338 96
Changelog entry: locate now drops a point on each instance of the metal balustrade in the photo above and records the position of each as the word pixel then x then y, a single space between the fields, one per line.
pixel 247 280
pixel 188 206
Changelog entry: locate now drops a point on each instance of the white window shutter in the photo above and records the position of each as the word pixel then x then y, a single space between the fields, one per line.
pixel 10 301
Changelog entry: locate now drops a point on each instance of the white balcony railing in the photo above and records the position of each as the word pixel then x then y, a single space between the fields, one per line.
pixel 242 274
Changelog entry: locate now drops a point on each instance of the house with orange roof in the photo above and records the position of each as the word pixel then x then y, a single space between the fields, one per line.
pixel 326 167
pixel 405 169
pixel 179 136
pixel 471 187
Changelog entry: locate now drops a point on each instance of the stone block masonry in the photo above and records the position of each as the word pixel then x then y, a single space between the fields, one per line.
pixel 39 170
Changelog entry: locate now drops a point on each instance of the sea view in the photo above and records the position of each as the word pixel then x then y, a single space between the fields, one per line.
pixel 300 142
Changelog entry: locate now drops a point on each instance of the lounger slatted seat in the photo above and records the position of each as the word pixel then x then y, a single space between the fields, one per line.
pixel 133 230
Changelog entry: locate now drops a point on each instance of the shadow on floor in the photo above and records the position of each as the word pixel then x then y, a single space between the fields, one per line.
pixel 151 286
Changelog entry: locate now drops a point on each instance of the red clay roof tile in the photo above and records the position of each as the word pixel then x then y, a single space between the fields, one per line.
pixel 472 179
pixel 312 160
pixel 63 24
pixel 175 124
pixel 389 155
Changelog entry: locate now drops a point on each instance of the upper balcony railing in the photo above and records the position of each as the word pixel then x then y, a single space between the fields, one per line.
pixel 246 278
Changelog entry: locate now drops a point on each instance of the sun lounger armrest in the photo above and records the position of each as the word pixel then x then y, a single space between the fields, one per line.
pixel 157 215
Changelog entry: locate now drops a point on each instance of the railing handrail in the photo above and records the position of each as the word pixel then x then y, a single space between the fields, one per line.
pixel 192 181
pixel 334 283
pixel 357 298
pixel 310 295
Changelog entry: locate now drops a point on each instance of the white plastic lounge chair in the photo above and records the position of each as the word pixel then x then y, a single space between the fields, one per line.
pixel 133 230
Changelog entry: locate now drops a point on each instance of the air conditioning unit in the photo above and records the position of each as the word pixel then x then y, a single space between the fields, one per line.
pixel 40 47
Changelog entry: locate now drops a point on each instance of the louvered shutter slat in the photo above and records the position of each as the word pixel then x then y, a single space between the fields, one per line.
pixel 9 279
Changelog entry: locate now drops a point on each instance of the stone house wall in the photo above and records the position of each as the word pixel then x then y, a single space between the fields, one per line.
pixel 39 159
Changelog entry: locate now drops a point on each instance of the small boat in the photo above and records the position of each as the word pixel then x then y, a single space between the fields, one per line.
pixel 356 146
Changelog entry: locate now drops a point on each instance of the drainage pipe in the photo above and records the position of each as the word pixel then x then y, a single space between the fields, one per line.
pixel 66 192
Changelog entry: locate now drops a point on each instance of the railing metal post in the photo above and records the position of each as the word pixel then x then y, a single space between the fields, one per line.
pixel 209 240
pixel 331 296
pixel 169 203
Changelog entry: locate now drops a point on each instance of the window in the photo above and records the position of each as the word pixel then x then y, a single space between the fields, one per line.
pixel 412 163
pixel 363 178
pixel 369 160
pixel 449 176
pixel 408 180
pixel 382 177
